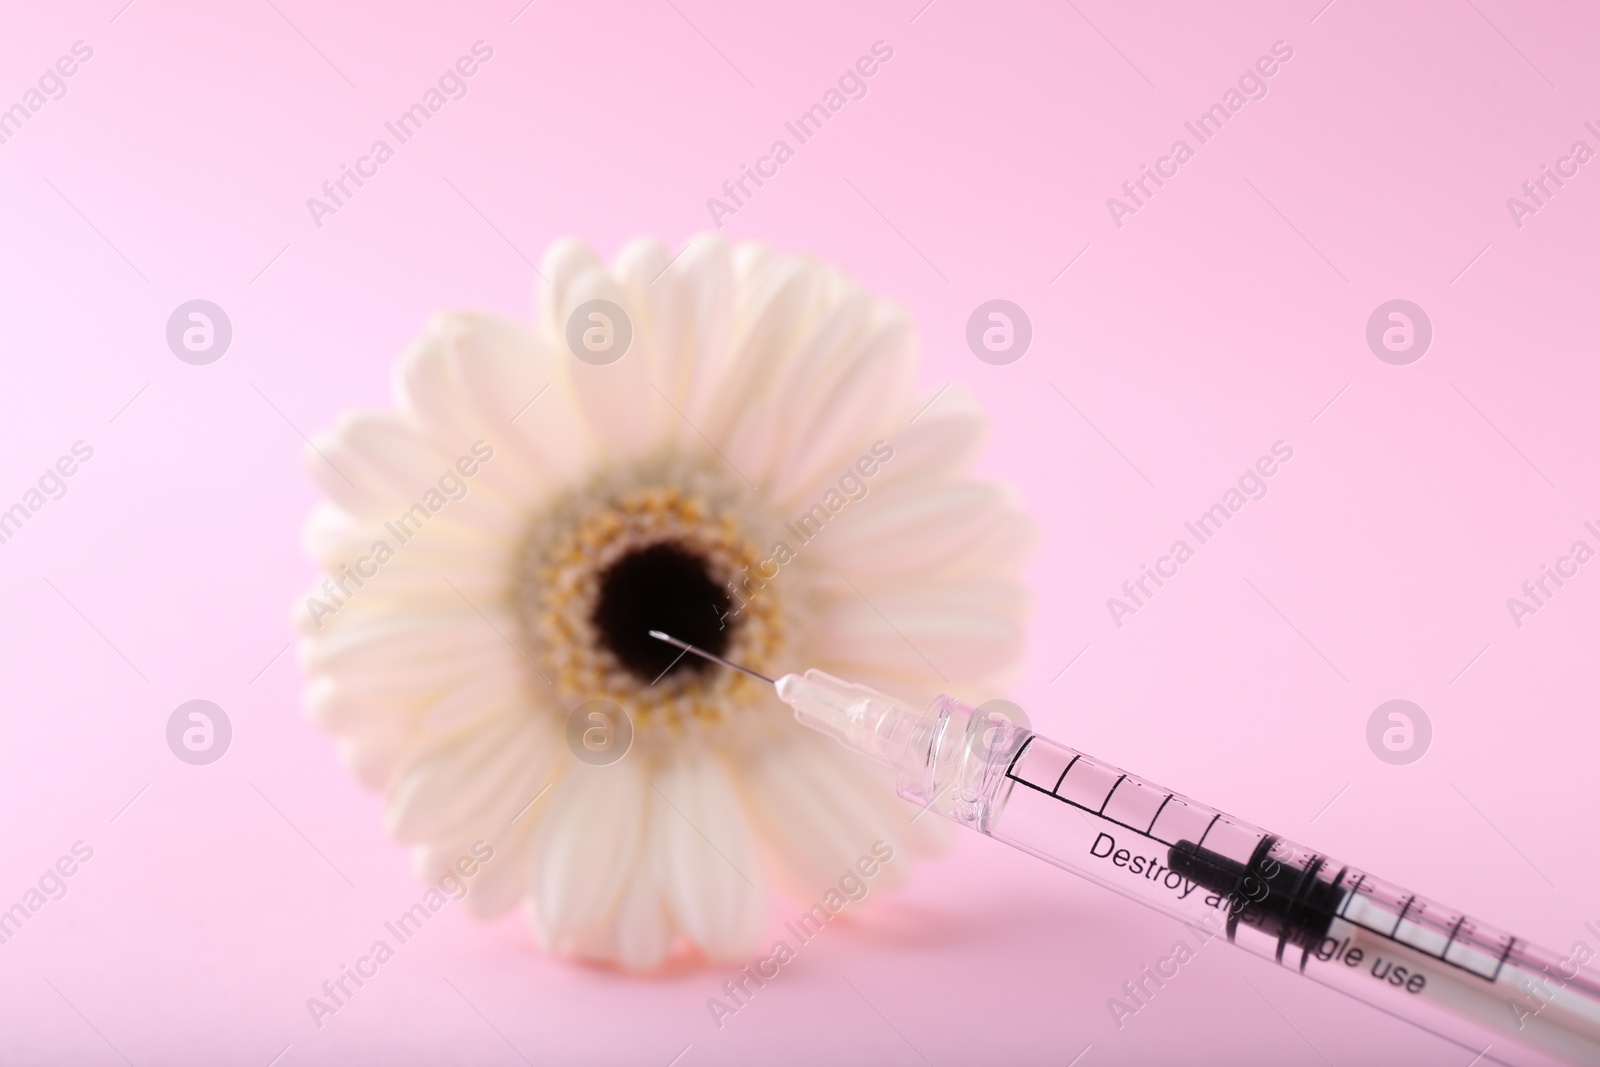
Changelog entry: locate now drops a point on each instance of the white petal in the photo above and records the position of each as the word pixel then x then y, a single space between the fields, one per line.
pixel 639 931
pixel 477 779
pixel 499 883
pixel 772 312
pixel 854 388
pixel 522 408
pixel 621 410
pixel 959 629
pixel 655 312
pixel 372 757
pixel 391 450
pixel 340 709
pixel 423 646
pixel 584 848
pixel 474 697
pixel 564 261
pixel 712 862
pixel 699 285
pixel 332 535
pixel 943 437
pixel 380 674
pixel 644 930
pixel 913 527
pixel 824 812
pixel 425 381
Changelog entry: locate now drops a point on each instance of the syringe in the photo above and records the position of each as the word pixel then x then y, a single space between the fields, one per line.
pixel 1498 996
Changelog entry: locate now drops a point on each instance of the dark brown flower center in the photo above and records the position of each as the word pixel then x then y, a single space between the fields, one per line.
pixel 663 587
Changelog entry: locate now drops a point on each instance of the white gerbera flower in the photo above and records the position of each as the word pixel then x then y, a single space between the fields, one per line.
pixel 752 475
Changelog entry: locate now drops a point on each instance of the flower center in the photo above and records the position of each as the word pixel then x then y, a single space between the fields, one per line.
pixel 667 543
pixel 661 587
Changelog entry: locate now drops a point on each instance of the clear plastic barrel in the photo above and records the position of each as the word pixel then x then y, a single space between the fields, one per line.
pixel 1466 981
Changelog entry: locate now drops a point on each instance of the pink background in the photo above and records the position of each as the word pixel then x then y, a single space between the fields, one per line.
pixel 1224 316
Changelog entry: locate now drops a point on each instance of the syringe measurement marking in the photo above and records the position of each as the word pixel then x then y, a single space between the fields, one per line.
pixel 1154 818
pixel 1100 813
pixel 1345 907
pixel 1020 750
pixel 1510 941
pixel 1393 935
pixel 1412 899
pixel 1113 789
pixel 1055 790
pixel 1453 931
pixel 1091 811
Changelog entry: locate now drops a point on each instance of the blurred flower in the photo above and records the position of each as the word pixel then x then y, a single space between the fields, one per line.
pixel 752 475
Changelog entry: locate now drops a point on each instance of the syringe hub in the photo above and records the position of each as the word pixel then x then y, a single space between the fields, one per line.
pixel 858 716
pixel 833 706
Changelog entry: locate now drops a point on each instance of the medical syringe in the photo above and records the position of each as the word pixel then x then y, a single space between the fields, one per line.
pixel 1496 995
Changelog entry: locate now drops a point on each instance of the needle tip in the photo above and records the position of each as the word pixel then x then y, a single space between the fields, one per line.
pixel 703 654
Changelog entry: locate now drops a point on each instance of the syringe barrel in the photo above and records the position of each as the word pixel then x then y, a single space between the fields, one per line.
pixel 1227 880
